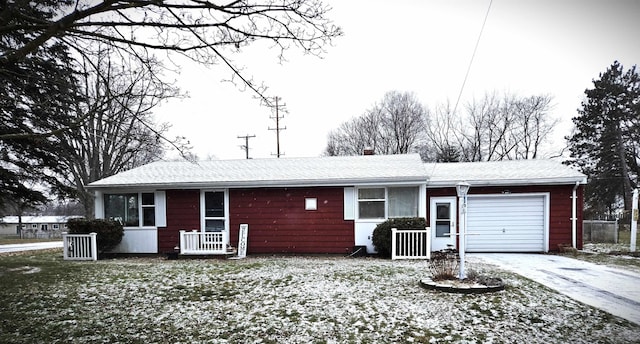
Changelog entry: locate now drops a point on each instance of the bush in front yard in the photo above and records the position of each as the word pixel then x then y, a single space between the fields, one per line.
pixel 444 264
pixel 109 232
pixel 382 233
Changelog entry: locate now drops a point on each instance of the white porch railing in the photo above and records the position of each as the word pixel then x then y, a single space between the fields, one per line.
pixel 196 242
pixel 79 246
pixel 410 244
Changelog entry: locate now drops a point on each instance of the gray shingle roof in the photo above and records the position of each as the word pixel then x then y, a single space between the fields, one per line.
pixel 520 172
pixel 344 170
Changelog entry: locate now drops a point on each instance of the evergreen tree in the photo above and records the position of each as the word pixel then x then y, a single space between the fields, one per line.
pixel 36 94
pixel 605 142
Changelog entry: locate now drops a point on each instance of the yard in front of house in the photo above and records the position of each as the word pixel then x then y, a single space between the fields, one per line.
pixel 278 300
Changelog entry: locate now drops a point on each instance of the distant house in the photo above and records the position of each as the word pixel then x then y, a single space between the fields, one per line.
pixel 331 204
pixel 35 226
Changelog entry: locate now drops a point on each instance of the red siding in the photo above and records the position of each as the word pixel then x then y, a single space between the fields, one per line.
pixel 560 207
pixel 279 223
pixel 183 212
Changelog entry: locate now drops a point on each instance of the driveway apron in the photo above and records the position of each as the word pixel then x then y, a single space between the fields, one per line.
pixel 613 290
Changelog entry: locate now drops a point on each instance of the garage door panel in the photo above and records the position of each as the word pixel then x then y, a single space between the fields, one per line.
pixel 510 223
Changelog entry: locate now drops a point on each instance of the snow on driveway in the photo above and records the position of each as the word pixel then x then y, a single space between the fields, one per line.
pixel 612 290
pixel 30 246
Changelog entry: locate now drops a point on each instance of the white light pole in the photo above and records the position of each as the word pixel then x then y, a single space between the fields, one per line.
pixel 634 221
pixel 462 189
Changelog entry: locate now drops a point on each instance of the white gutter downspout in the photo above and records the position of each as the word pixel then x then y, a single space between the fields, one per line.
pixel 574 216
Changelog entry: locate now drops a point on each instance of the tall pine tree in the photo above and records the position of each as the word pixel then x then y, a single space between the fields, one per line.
pixel 36 94
pixel 605 142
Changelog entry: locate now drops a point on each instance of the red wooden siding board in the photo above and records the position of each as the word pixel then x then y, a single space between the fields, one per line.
pixel 183 212
pixel 279 223
pixel 560 207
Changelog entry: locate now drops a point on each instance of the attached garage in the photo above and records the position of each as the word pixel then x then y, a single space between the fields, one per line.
pixel 512 206
pixel 507 223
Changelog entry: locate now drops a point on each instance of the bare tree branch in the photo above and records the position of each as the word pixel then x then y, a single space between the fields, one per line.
pixel 196 28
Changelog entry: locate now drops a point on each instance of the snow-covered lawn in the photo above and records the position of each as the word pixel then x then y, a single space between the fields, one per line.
pixel 279 300
pixel 615 255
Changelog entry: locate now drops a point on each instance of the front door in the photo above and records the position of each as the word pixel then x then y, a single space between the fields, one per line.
pixel 215 204
pixel 442 222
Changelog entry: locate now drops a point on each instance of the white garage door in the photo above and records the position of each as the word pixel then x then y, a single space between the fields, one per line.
pixel 506 223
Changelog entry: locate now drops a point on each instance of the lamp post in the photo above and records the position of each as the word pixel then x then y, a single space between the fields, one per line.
pixel 462 189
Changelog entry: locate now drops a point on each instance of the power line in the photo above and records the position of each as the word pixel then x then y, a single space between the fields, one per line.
pixel 472 57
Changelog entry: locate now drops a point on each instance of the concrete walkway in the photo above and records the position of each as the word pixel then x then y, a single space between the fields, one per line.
pixel 30 246
pixel 613 290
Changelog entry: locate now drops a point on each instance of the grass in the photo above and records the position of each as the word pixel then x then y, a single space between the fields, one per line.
pixel 616 255
pixel 624 237
pixel 276 300
pixel 619 261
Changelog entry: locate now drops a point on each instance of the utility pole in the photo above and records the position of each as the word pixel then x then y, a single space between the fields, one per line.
pixel 277 117
pixel 246 143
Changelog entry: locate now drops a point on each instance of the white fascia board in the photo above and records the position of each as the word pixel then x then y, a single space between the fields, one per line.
pixel 265 183
pixel 510 182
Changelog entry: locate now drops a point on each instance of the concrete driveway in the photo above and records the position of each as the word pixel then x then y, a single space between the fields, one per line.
pixel 613 290
pixel 30 246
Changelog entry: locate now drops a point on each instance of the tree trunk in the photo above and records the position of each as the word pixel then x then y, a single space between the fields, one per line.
pixel 624 169
pixel 88 202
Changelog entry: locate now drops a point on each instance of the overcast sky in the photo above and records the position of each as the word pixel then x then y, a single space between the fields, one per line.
pixel 528 47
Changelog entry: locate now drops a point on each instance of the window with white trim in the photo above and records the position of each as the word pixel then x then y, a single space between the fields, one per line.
pixel 381 203
pixel 371 203
pixel 128 208
pixel 403 202
pixel 148 209
pixel 214 211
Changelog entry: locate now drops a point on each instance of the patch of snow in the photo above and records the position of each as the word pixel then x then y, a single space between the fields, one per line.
pixel 605 248
pixel 26 269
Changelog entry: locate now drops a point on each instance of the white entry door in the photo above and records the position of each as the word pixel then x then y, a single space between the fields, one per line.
pixel 442 222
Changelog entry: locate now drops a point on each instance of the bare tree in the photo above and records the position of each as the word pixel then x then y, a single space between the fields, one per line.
pixel 393 126
pixel 505 128
pixel 205 31
pixel 493 128
pixel 118 131
pixel 444 135
pixel 534 124
pixel 39 40
pixel 488 123
pixel 353 137
pixel 402 121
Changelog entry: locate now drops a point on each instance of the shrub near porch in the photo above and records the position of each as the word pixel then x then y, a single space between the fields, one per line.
pixel 382 233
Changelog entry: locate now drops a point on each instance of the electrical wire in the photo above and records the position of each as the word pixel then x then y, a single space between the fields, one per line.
pixel 472 57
